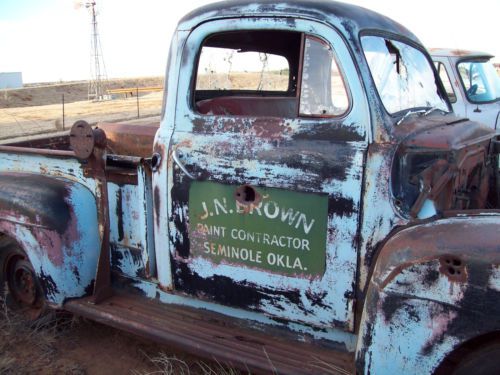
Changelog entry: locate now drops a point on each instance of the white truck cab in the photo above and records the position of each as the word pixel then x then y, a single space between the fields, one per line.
pixel 471 82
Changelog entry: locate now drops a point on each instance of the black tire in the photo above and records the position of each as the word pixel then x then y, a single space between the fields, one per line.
pixel 484 360
pixel 20 288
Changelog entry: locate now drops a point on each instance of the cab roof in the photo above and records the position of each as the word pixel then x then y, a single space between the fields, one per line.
pixel 351 19
pixel 459 53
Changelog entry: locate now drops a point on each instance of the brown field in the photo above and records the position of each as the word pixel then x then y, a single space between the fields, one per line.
pixel 270 81
pixel 51 93
pixel 38 110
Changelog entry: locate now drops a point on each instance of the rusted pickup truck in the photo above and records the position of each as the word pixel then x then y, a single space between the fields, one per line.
pixel 308 204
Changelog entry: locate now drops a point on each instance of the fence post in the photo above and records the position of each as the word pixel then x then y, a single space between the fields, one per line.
pixel 63 109
pixel 137 96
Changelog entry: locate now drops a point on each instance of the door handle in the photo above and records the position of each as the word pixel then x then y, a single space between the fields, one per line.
pixel 177 160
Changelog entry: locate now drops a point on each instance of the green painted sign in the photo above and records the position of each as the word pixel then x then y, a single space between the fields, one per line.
pixel 285 232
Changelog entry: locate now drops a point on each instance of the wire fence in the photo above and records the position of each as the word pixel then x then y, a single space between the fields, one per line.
pixel 119 105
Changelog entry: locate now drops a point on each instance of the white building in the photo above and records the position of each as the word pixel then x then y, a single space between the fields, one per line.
pixel 11 80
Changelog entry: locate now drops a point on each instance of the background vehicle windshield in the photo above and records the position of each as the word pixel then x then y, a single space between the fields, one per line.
pixel 480 81
pixel 402 74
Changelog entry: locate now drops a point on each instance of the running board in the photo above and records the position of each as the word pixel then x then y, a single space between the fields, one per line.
pixel 213 336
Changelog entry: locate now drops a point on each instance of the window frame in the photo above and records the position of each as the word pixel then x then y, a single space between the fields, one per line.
pixel 401 39
pixel 440 63
pixel 298 88
pixel 342 76
pixel 465 60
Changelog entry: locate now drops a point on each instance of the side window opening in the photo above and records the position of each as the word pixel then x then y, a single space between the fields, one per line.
pixel 480 80
pixel 445 79
pixel 323 92
pixel 249 73
pixel 257 73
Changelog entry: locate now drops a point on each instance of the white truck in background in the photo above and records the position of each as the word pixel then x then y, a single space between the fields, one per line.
pixel 471 82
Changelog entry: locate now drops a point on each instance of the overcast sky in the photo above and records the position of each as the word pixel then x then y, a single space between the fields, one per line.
pixel 49 40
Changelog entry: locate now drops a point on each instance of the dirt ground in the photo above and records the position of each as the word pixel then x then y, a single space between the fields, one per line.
pixel 65 344
pixel 77 91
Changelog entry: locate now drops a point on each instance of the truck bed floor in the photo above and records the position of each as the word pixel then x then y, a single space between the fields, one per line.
pixel 211 335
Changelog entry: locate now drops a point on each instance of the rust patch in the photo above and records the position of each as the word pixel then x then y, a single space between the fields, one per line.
pixel 421 244
pixel 247 197
pixel 157 201
pixel 82 139
pixel 453 268
pixel 40 199
pixel 271 128
pixel 125 139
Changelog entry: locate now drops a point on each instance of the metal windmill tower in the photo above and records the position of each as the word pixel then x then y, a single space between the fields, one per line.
pixel 98 76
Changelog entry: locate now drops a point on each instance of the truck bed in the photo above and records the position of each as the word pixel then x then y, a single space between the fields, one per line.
pixel 127 139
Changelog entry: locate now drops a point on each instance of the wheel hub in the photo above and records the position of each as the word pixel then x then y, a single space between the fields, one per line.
pixel 21 281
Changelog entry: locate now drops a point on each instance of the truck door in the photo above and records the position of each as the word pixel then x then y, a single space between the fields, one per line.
pixel 265 170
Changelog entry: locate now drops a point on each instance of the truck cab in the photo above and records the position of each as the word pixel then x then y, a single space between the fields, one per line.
pixel 309 202
pixel 471 82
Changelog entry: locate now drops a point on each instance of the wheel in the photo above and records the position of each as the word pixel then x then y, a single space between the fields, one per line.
pixel 20 290
pixel 482 361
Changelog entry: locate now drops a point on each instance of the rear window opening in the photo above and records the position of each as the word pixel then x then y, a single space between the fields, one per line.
pixel 231 69
pixel 268 73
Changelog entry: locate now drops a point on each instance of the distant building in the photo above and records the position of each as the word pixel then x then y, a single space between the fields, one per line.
pixel 11 80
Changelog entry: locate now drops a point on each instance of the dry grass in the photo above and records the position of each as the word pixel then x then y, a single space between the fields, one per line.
pixel 29 347
pixel 16 122
pixel 63 344
pixel 173 365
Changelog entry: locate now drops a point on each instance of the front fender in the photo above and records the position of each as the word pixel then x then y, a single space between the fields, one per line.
pixel 55 221
pixel 434 287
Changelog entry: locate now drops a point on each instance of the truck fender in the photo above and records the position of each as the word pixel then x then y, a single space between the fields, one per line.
pixel 434 287
pixel 54 220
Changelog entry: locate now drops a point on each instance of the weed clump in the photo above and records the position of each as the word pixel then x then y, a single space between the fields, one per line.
pixel 29 346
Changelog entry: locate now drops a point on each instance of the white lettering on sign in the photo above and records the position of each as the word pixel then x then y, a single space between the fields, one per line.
pixel 270 239
pixel 285 261
pixel 270 209
pixel 251 255
pixel 213 230
pixel 233 252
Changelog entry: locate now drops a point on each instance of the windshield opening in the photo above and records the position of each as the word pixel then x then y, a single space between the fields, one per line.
pixel 403 76
pixel 480 81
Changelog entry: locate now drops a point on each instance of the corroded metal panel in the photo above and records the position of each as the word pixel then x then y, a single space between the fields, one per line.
pixel 335 337
pixel 54 220
pixel 160 173
pixel 309 156
pixel 433 288
pixel 54 163
pixel 131 237
pixel 125 139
